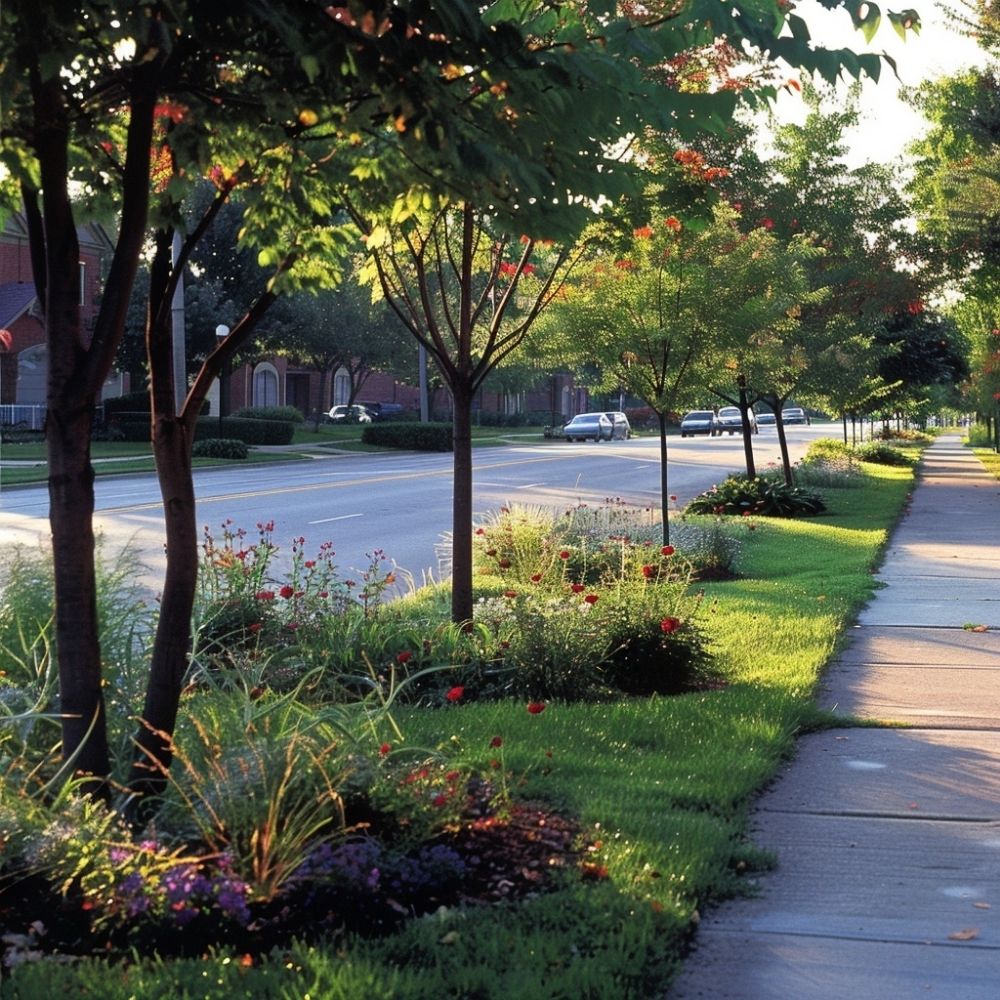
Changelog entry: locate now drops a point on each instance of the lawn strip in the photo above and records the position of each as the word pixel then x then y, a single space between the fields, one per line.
pixel 660 786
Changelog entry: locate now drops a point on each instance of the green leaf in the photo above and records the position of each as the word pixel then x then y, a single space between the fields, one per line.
pixel 866 17
pixel 904 21
pixel 310 65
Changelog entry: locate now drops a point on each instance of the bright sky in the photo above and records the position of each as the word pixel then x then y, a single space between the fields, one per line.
pixel 889 123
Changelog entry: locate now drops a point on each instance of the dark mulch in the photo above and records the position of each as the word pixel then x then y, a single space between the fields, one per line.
pixel 504 857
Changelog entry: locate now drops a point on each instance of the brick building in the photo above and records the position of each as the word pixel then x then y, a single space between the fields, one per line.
pixel 24 360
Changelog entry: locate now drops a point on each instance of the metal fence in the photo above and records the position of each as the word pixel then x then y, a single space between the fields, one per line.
pixel 30 417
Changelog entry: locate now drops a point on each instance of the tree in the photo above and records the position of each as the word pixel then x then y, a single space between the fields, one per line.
pixel 333 329
pixel 137 99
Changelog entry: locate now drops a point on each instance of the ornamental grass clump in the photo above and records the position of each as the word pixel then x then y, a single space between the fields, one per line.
pixel 880 453
pixel 760 496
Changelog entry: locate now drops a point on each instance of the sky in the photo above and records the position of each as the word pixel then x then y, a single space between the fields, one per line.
pixel 889 122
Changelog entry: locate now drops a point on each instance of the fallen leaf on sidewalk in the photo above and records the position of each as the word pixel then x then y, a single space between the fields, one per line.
pixel 981 628
pixel 968 934
pixel 983 906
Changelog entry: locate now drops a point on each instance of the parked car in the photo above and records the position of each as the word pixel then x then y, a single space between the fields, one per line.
pixel 700 422
pixel 794 415
pixel 382 411
pixel 356 414
pixel 588 425
pixel 766 417
pixel 731 420
pixel 621 429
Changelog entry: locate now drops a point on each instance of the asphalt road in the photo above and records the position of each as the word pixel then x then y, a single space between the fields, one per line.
pixel 400 503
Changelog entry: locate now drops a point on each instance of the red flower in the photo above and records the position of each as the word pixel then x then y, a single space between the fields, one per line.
pixel 624 265
pixel 528 269
pixel 648 571
pixel 536 707
pixel 577 588
pixel 453 776
pixel 264 595
pixel 491 552
pixel 672 223
pixel 404 657
pixel 536 577
pixel 667 550
pixel 669 625
pixel 767 223
pixel 496 742
pixel 384 749
pixel 510 593
pixel 564 554
pixel 591 598
pixel 673 497
pixel 642 233
pixel 439 800
pixel 256 627
pixel 504 564
pixel 455 693
pixel 480 531
pixel 286 591
pixel 309 563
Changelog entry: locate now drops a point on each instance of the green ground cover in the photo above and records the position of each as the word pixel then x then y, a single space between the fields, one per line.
pixel 659 786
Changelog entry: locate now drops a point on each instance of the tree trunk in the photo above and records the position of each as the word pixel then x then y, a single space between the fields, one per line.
pixel 664 488
pixel 169 663
pixel 461 520
pixel 786 465
pixel 747 443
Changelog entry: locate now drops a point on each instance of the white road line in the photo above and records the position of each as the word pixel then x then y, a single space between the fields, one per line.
pixel 341 517
pixel 529 486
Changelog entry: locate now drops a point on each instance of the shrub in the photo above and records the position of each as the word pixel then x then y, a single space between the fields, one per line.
pixel 415 436
pixel 882 454
pixel 289 413
pixel 219 448
pixel 827 448
pixel 831 473
pixel 759 496
pixel 247 429
pixel 903 434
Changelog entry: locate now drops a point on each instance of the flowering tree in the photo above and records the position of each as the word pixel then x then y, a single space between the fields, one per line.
pixel 514 104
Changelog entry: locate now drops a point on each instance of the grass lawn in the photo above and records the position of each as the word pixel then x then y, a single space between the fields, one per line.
pixel 660 788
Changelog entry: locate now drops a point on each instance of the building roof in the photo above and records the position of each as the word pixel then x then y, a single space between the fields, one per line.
pixel 16 298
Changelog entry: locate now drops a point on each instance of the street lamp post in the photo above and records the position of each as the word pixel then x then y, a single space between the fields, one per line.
pixel 221 332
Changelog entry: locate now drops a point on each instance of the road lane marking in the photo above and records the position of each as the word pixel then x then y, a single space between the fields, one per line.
pixel 339 517
pixel 285 489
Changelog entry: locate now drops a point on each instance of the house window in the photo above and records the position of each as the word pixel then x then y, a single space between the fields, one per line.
pixel 265 386
pixel 341 387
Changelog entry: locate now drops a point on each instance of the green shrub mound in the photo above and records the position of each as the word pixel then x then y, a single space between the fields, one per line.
pixel 882 454
pixel 290 413
pixel 758 496
pixel 412 436
pixel 249 430
pixel 219 448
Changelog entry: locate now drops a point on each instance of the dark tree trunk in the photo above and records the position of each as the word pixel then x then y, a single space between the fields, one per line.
pixel 744 406
pixel 461 520
pixel 71 404
pixel 664 488
pixel 172 645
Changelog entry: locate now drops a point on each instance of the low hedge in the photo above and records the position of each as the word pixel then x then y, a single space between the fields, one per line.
pixel 292 413
pixel 243 429
pixel 415 437
pixel 219 448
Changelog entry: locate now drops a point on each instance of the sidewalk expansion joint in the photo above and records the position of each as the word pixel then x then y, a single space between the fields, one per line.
pixel 865 939
pixel 893 816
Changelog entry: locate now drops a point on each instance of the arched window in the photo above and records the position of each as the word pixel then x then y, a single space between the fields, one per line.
pixel 265 385
pixel 341 387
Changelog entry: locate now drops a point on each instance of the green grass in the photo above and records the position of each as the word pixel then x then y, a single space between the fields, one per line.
pixel 660 786
pixel 990 460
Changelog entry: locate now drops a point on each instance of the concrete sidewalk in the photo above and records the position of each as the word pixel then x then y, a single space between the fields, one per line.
pixel 888 840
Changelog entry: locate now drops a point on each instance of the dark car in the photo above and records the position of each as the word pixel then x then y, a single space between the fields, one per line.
pixel 700 422
pixel 621 429
pixel 588 425
pixel 794 415
pixel 765 417
pixel 731 420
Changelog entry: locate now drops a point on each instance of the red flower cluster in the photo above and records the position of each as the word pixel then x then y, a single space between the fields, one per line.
pixel 404 657
pixel 577 588
pixel 667 550
pixel 649 572
pixel 642 233
pixel 536 707
pixel 455 694
pixel 669 625
pixel 672 223
pixel 592 598
pixel 286 591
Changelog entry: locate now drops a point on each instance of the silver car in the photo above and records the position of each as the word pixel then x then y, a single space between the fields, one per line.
pixel 700 422
pixel 588 425
pixel 621 429
pixel 731 420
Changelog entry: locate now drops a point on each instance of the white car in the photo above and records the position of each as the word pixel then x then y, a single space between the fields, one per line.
pixel 349 415
pixel 731 420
